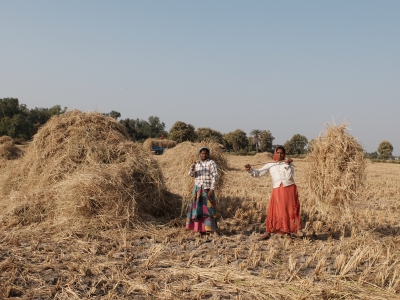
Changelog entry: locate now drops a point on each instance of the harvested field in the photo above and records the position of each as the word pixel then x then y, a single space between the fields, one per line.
pixel 161 260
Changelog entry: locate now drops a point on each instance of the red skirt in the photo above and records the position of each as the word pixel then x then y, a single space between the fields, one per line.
pixel 283 213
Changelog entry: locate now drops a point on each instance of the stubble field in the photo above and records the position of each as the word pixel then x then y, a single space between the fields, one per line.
pixel 161 260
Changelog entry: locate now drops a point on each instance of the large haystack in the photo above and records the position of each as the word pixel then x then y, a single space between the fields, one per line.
pixel 150 143
pixel 176 163
pixel 82 165
pixel 8 150
pixel 336 167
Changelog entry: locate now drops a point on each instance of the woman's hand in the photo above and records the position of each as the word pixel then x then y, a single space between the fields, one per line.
pixel 210 194
pixel 289 160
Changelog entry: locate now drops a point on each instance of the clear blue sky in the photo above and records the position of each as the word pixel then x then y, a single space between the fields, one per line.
pixel 285 66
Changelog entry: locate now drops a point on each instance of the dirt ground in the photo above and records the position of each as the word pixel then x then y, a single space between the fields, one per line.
pixel 162 260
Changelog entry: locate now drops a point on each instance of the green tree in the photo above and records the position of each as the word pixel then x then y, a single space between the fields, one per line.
pixel 39 116
pixel 139 130
pixel 250 145
pixel 385 150
pixel 208 134
pixel 155 127
pixel 16 126
pixel 57 110
pixel 130 125
pixel 235 140
pixel 181 132
pixel 10 107
pixel 255 134
pixel 286 145
pixel 372 155
pixel 114 114
pixel 296 145
pixel 266 140
pixel 17 121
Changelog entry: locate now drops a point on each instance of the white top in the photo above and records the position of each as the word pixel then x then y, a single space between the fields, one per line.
pixel 280 172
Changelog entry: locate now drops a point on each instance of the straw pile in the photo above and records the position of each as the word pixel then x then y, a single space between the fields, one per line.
pixel 176 163
pixel 264 156
pixel 150 143
pixel 8 150
pixel 82 165
pixel 336 167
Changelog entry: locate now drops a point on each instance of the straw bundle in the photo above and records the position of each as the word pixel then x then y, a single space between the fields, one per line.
pixel 150 143
pixel 83 165
pixel 336 166
pixel 8 150
pixel 176 163
pixel 265 156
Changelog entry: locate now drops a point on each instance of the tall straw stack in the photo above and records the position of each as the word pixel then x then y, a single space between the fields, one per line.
pixel 336 167
pixel 83 166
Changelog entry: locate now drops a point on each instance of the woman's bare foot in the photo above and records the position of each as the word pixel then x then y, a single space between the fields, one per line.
pixel 264 237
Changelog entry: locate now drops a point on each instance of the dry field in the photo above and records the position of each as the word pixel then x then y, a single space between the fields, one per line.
pixel 351 255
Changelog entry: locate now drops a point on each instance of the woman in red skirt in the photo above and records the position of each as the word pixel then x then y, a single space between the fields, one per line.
pixel 283 213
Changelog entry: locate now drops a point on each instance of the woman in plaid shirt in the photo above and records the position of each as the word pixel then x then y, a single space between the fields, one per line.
pixel 201 211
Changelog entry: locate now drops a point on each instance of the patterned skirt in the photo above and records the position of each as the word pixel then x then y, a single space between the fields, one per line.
pixel 201 211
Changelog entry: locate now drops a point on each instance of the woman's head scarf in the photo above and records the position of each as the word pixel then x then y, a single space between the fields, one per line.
pixel 204 148
pixel 276 155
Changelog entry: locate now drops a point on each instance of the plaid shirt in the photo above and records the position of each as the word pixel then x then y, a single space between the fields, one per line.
pixel 205 174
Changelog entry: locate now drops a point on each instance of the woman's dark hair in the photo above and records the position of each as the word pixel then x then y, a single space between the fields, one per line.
pixel 281 147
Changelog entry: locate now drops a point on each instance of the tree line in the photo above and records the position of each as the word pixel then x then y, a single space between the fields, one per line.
pixel 385 151
pixel 21 123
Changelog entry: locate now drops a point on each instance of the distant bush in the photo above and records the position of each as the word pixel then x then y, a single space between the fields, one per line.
pixel 242 152
pixel 389 161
